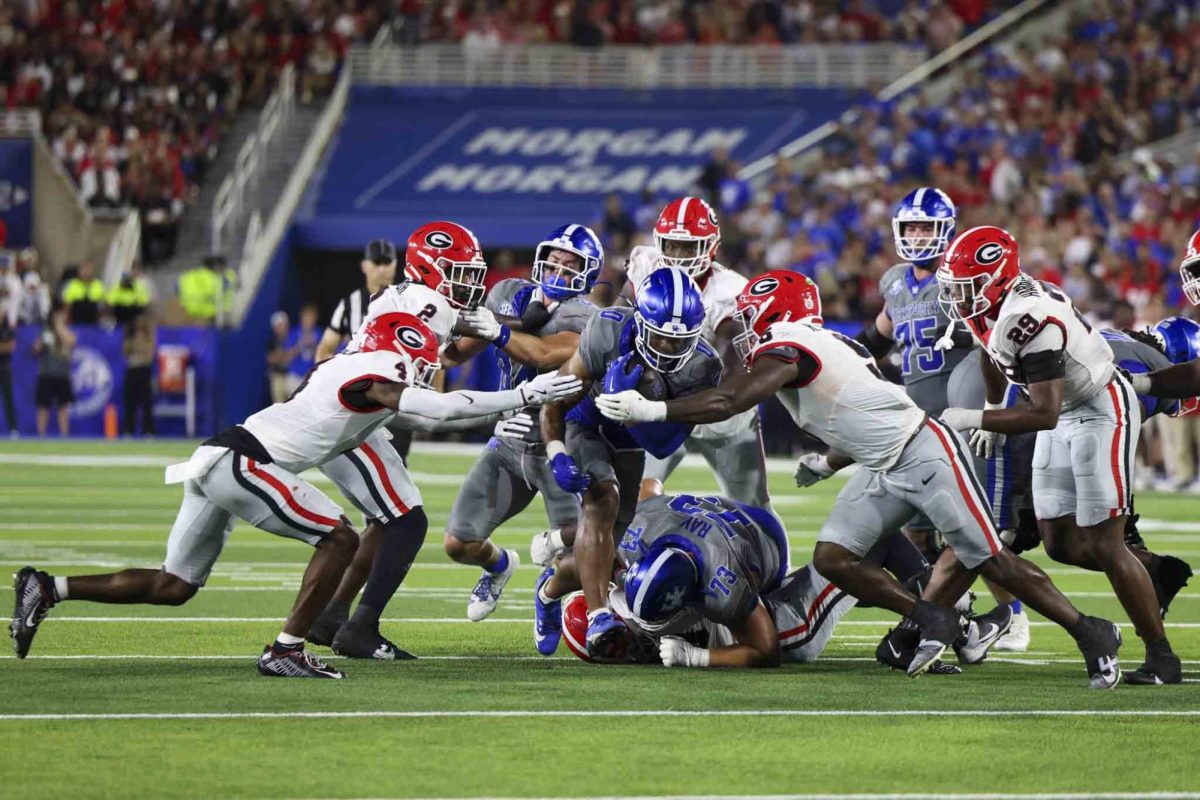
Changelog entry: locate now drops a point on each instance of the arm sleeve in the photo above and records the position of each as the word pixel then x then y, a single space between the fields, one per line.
pixel 417 422
pixel 457 405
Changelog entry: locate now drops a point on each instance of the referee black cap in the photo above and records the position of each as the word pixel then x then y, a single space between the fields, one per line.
pixel 381 251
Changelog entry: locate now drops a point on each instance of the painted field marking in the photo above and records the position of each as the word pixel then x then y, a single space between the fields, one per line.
pixel 861 796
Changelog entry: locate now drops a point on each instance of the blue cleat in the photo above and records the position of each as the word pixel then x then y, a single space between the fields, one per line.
pixel 547 619
pixel 608 637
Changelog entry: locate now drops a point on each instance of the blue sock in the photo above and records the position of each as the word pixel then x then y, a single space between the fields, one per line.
pixel 500 565
pixel 1015 605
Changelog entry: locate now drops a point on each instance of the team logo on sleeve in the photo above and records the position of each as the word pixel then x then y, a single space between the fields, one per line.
pixel 764 286
pixel 439 240
pixel 989 254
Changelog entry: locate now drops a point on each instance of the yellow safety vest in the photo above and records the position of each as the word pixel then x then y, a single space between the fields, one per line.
pixel 200 290
pixel 78 290
pixel 136 295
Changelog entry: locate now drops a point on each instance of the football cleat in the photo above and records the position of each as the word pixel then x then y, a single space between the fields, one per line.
pixel 487 590
pixel 608 637
pixel 898 646
pixel 293 662
pixel 983 632
pixel 361 641
pixel 1017 638
pixel 325 628
pixel 1099 642
pixel 939 628
pixel 1158 670
pixel 35 597
pixel 542 551
pixel 547 618
pixel 1169 577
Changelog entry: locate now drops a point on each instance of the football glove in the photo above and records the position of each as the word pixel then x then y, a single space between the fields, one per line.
pixel 621 376
pixel 813 467
pixel 675 652
pixel 962 419
pixel 568 475
pixel 629 406
pixel 548 387
pixel 483 323
pixel 515 427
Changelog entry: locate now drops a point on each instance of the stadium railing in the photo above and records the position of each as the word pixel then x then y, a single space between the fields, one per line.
pixel 691 66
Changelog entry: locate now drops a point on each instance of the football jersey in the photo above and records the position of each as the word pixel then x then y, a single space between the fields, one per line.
pixel 1137 357
pixel 1036 317
pixel 846 403
pixel 510 297
pixel 719 292
pixel 315 424
pixel 918 321
pixel 740 557
pixel 409 298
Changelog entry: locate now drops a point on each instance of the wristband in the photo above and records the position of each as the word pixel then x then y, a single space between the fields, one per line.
pixel 1140 383
pixel 702 657
pixel 502 337
pixel 555 448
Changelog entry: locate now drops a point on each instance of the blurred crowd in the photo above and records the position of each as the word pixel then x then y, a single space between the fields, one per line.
pixel 1028 142
pixel 135 94
pixel 485 24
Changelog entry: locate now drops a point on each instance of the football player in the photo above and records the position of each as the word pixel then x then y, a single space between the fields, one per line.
pixel 686 237
pixel 908 462
pixel 1083 409
pixel 604 461
pixel 1189 270
pixel 252 471
pixel 444 272
pixel 513 468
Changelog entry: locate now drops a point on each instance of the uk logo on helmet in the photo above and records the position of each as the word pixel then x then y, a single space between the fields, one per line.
pixel 764 286
pixel 989 254
pixel 439 239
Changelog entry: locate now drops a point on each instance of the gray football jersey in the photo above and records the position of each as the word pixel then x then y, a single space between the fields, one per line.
pixel 741 557
pixel 1137 357
pixel 918 321
pixel 610 335
pixel 509 298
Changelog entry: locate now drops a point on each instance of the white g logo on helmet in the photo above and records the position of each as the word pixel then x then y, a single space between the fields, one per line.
pixel 410 337
pixel 764 286
pixel 989 254
pixel 439 239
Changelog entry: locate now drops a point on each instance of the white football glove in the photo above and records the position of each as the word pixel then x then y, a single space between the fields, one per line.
pixel 813 467
pixel 963 419
pixel 548 387
pixel 483 323
pixel 984 443
pixel 631 407
pixel 515 427
pixel 675 652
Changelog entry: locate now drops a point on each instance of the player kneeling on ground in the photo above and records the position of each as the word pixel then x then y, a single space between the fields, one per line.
pixel 252 471
pixel 909 463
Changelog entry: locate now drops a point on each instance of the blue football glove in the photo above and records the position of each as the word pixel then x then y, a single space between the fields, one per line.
pixel 622 375
pixel 567 474
pixel 608 637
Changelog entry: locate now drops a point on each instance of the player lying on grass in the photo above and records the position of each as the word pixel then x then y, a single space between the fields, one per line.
pixel 908 463
pixel 719 567
pixel 1085 414
pixel 252 471
pixel 657 344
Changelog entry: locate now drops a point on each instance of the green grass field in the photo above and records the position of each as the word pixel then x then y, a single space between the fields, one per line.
pixel 481 714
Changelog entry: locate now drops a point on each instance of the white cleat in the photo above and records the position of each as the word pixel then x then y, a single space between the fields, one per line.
pixel 542 551
pixel 1017 638
pixel 487 591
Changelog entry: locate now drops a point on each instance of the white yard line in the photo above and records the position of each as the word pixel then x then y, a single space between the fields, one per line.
pixel 862 796
pixel 605 712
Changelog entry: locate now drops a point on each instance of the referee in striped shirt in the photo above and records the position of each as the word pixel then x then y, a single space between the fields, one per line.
pixel 379 270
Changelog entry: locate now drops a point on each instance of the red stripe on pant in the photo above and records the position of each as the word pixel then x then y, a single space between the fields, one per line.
pixel 1116 449
pixel 812 612
pixel 287 496
pixel 383 477
pixel 964 489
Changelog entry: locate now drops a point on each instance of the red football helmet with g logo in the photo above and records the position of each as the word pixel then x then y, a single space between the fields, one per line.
pixel 977 271
pixel 776 296
pixel 1189 270
pixel 686 236
pixel 409 338
pixel 447 258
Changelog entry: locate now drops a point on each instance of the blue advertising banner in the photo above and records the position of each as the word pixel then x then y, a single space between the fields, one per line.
pixel 514 164
pixel 16 191
pixel 98 379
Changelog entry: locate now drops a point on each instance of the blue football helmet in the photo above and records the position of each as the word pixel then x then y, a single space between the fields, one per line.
pixel 924 205
pixel 1180 339
pixel 664 582
pixel 668 316
pixel 561 281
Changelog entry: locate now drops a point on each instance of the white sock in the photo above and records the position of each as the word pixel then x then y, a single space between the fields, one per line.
pixel 60 588
pixel 556 538
pixel 288 639
pixel 545 598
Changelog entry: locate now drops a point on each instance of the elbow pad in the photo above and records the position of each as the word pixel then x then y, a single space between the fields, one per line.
pixel 876 343
pixel 660 439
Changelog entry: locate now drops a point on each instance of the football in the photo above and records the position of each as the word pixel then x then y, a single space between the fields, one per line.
pixel 652 385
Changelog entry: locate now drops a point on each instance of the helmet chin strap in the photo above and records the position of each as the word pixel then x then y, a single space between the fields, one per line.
pixel 946 341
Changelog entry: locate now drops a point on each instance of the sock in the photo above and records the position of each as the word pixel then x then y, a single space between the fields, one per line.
pixel 556 538
pixel 285 641
pixel 60 589
pixel 337 609
pixel 545 598
pixel 1016 607
pixel 500 565
pixel 401 541
pixel 1160 648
